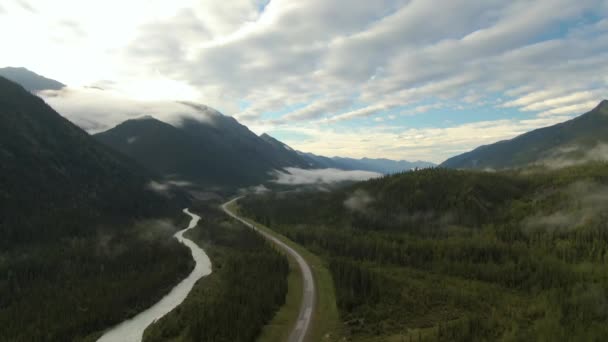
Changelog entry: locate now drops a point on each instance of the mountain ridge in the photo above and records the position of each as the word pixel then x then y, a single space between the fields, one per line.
pixel 380 165
pixel 565 140
pixel 218 151
pixel 47 157
pixel 30 80
pixel 222 153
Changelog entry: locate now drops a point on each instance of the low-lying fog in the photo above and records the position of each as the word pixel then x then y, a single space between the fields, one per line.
pixel 296 176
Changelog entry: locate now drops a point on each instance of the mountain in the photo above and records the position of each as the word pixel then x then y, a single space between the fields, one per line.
pixel 580 139
pixel 82 247
pixel 30 80
pixel 218 151
pixel 310 160
pixel 287 154
pixel 385 166
pixel 51 169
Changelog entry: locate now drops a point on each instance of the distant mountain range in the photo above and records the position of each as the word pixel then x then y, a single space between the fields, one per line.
pixel 380 165
pixel 384 166
pixel 30 80
pixel 581 139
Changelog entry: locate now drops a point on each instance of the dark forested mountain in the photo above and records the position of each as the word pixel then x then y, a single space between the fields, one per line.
pixel 579 139
pixel 49 165
pixel 71 259
pixel 30 80
pixel 289 155
pixel 215 152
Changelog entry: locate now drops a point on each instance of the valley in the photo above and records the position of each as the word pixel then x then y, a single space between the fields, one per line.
pixel 304 171
pixel 132 330
pixel 419 253
pixel 247 287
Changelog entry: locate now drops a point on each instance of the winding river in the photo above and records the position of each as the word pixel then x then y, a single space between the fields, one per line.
pixel 132 329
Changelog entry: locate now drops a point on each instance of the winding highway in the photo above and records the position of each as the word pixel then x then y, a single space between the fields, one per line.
pixel 132 329
pixel 302 325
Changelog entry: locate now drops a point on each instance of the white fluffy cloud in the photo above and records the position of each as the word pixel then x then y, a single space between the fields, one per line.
pixel 96 109
pixel 323 66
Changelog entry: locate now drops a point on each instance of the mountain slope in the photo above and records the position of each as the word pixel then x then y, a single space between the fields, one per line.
pixel 286 154
pixel 75 253
pixel 216 152
pixel 47 158
pixel 30 80
pixel 568 141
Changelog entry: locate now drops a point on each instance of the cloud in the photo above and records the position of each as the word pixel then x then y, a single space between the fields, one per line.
pixel 358 201
pixel 360 113
pixel 429 107
pixel 316 109
pixel 167 186
pixel 553 102
pixel 158 187
pixel 433 144
pixel 325 65
pixel 295 176
pixel 258 189
pixel 575 108
pixel 26 6
pixel 585 201
pixel 96 110
pixel 576 155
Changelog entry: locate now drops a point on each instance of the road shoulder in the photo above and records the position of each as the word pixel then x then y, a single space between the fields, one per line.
pixel 325 323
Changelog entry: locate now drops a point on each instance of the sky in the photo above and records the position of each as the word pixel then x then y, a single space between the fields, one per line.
pixel 401 79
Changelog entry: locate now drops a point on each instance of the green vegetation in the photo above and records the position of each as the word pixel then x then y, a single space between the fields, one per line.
pixel 326 323
pixel 83 285
pixel 459 255
pixel 74 243
pixel 281 325
pixel 581 139
pixel 247 287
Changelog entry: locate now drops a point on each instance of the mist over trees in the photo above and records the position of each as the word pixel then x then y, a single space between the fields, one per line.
pixel 459 255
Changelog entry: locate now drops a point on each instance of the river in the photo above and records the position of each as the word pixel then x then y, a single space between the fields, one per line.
pixel 132 329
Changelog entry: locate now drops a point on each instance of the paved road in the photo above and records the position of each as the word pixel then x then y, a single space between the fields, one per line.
pixel 308 299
